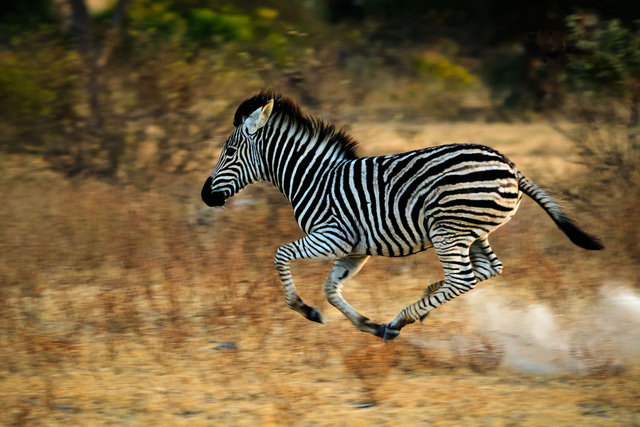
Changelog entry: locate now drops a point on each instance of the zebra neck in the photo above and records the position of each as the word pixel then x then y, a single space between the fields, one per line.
pixel 298 159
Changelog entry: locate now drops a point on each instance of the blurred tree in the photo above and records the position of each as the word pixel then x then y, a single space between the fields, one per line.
pixel 94 57
pixel 606 74
pixel 70 77
pixel 517 41
pixel 610 63
pixel 86 47
pixel 602 119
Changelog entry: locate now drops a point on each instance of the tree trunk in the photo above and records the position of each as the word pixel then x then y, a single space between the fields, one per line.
pixel 94 59
pixel 117 22
pixel 82 29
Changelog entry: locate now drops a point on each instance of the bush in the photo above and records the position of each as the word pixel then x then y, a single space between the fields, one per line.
pixel 605 75
pixel 205 26
pixel 611 58
pixel 37 92
pixel 604 80
pixel 441 69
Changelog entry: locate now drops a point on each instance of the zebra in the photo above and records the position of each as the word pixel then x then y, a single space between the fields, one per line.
pixel 449 197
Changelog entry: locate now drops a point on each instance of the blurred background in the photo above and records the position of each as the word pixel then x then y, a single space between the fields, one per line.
pixel 123 299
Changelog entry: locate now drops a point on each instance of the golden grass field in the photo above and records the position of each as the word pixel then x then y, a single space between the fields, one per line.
pixel 137 305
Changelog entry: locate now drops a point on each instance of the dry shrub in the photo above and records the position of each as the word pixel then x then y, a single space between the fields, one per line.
pixel 605 132
pixel 108 258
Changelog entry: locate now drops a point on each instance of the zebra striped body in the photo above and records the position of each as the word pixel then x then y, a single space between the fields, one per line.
pixel 395 204
pixel 448 197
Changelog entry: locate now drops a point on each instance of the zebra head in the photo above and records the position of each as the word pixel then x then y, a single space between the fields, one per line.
pixel 237 166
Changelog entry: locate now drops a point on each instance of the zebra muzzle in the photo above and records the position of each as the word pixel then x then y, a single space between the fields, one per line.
pixel 212 198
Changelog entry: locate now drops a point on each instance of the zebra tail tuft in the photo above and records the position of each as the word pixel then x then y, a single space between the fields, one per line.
pixel 562 220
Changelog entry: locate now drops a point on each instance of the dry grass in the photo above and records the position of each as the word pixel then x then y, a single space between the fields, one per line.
pixel 119 305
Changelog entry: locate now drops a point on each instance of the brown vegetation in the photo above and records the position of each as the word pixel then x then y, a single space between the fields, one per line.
pixel 129 303
pixel 123 299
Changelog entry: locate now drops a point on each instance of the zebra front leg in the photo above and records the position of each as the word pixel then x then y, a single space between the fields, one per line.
pixel 291 296
pixel 313 246
pixel 343 269
pixel 458 279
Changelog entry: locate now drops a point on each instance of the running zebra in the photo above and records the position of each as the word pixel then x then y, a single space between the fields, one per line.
pixel 447 197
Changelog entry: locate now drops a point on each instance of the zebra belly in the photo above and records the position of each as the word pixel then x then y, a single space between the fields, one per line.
pixel 390 246
pixel 400 252
pixel 393 234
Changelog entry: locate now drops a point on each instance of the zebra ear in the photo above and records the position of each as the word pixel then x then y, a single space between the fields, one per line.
pixel 259 118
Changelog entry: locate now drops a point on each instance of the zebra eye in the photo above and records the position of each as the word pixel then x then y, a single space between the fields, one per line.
pixel 230 151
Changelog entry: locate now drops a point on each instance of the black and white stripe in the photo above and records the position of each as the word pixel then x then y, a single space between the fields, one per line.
pixel 448 197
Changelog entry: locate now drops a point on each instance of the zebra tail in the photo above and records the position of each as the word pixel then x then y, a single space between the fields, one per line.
pixel 562 220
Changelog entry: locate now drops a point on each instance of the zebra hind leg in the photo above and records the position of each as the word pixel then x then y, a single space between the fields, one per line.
pixel 344 268
pixel 459 278
pixel 428 292
pixel 485 265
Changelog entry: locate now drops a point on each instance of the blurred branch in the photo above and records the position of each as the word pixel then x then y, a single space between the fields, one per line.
pixel 117 23
pixel 80 24
pixel 94 58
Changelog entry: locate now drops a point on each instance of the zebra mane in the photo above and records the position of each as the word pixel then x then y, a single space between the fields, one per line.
pixel 287 107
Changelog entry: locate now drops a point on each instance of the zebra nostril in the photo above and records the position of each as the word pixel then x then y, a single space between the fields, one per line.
pixel 217 198
pixel 212 198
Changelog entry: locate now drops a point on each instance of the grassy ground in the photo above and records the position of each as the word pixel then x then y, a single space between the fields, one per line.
pixel 127 306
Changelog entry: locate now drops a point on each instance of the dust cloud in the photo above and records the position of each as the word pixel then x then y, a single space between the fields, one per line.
pixel 602 338
pixel 531 337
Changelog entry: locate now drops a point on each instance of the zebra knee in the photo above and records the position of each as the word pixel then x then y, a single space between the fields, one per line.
pixel 482 274
pixel 485 267
pixel 453 286
pixel 333 299
pixel 293 301
pixel 432 288
pixel 484 271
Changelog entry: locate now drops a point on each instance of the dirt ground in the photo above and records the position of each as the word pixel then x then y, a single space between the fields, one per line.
pixel 185 326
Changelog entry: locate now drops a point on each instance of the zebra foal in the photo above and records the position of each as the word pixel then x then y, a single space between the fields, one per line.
pixel 447 197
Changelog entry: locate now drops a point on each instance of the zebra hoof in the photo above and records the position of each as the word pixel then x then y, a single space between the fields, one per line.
pixel 390 334
pixel 314 315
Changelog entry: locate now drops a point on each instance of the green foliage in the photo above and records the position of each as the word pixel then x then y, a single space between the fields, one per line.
pixel 34 84
pixel 155 19
pixel 236 35
pixel 204 25
pixel 611 59
pixel 453 76
pixel 183 62
pixel 20 91
pixel 196 27
pixel 606 77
